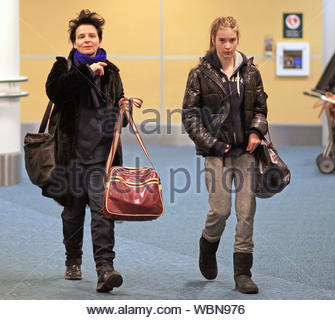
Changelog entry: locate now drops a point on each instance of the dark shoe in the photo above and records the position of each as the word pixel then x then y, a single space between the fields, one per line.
pixel 242 273
pixel 108 278
pixel 245 284
pixel 207 258
pixel 73 272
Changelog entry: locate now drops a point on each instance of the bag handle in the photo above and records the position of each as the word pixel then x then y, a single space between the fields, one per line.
pixel 117 132
pixel 269 143
pixel 45 118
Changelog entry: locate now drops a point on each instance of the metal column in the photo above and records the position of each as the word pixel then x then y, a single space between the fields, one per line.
pixel 10 155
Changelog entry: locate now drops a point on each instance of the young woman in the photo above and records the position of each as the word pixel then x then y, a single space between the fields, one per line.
pixel 224 113
pixel 87 90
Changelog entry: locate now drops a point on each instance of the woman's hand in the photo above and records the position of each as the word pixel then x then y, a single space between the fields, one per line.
pixel 124 104
pixel 220 148
pixel 254 141
pixel 98 68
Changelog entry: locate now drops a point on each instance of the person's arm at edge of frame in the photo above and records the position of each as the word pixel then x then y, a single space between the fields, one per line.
pixel 120 96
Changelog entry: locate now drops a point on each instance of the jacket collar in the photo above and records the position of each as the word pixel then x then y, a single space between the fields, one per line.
pixel 211 66
pixel 212 74
pixel 213 59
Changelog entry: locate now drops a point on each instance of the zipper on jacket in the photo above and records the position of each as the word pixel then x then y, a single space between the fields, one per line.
pixel 231 111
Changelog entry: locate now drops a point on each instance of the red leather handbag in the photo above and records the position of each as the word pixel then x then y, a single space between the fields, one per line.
pixel 131 194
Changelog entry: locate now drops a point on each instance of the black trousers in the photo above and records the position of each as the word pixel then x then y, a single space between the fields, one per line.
pixel 87 188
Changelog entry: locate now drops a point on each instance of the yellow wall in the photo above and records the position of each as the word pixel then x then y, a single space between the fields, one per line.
pixel 133 30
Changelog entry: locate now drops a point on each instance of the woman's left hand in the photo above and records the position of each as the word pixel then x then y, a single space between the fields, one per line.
pixel 254 141
pixel 124 104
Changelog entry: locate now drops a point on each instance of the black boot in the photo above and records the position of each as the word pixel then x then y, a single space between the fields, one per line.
pixel 73 272
pixel 207 258
pixel 108 278
pixel 242 274
pixel 73 269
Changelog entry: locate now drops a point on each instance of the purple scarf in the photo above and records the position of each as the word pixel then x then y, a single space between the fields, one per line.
pixel 80 58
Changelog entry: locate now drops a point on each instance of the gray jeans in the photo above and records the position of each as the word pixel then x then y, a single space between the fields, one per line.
pixel 219 175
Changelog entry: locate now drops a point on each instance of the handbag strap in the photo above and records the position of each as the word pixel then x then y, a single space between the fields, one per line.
pixel 45 118
pixel 269 143
pixel 117 132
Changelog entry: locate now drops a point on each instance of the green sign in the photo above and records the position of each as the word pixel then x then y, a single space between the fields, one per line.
pixel 292 25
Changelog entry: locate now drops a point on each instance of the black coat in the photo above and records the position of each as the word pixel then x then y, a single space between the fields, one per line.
pixel 64 86
pixel 205 107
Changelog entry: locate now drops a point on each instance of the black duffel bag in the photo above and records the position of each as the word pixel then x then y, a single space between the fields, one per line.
pixel 272 175
pixel 39 152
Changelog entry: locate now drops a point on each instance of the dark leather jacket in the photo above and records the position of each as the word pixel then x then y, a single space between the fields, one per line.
pixel 205 107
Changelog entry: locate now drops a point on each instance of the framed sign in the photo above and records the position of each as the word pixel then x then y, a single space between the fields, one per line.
pixel 292 23
pixel 268 46
pixel 293 59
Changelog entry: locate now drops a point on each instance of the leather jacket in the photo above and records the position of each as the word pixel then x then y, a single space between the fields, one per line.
pixel 206 106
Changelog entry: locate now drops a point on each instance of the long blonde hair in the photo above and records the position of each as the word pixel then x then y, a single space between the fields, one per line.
pixel 222 22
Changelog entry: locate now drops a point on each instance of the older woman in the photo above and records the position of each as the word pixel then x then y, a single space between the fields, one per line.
pixel 86 89
pixel 224 113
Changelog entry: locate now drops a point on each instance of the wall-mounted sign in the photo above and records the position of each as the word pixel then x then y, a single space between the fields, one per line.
pixel 268 46
pixel 293 59
pixel 292 23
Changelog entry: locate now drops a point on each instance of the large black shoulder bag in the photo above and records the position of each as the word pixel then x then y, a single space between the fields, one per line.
pixel 272 175
pixel 39 151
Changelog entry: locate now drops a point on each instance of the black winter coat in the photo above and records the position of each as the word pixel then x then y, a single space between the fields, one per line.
pixel 206 107
pixel 64 86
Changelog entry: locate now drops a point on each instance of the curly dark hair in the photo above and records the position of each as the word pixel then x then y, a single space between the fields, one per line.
pixel 86 17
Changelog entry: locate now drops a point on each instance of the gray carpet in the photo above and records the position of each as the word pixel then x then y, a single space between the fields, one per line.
pixel 294 239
